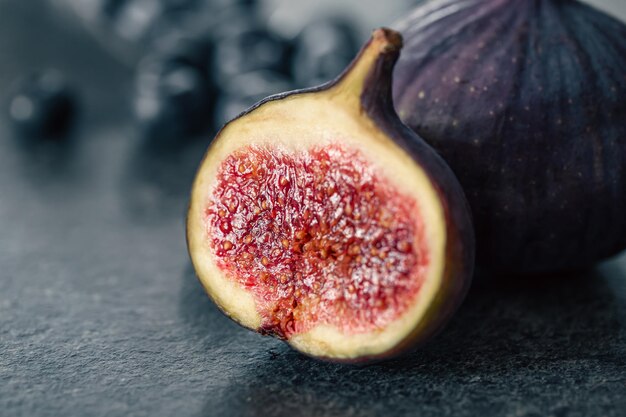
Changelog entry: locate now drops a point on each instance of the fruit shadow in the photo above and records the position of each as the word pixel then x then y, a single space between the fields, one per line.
pixel 525 329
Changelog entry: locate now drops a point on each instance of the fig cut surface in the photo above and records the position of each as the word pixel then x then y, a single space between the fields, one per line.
pixel 318 218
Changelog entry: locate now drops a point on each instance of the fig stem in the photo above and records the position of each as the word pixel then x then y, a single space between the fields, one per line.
pixel 369 77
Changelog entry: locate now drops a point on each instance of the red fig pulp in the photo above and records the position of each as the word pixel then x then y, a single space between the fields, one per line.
pixel 318 237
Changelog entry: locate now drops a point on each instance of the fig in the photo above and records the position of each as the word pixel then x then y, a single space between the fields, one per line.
pixel 525 101
pixel 317 217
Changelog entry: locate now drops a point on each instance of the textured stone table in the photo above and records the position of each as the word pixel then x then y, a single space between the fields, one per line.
pixel 100 312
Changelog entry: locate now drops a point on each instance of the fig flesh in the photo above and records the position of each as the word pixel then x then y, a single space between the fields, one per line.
pixel 525 101
pixel 317 217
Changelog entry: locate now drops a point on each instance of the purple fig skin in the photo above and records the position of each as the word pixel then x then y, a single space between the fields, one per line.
pixel 525 101
pixel 376 101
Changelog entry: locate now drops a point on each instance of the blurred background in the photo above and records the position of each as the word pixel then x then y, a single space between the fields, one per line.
pixel 106 109
pixel 195 63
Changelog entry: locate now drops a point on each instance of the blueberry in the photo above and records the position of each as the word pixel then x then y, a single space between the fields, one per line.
pixel 244 90
pixel 173 6
pixel 253 49
pixel 174 51
pixel 43 105
pixel 174 105
pixel 110 8
pixel 174 91
pixel 230 3
pixel 322 50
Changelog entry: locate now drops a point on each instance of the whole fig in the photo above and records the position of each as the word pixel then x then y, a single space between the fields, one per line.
pixel 526 100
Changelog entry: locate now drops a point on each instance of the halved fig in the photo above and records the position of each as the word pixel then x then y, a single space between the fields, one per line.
pixel 319 218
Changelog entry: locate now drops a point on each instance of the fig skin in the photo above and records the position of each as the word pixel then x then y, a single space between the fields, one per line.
pixel 377 102
pixel 525 101
pixel 368 87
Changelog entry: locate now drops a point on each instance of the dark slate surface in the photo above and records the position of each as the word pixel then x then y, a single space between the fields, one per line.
pixel 100 313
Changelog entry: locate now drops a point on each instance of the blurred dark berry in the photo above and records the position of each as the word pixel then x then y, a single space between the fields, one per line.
pixel 253 49
pixel 174 6
pixel 175 51
pixel 244 90
pixel 42 105
pixel 109 9
pixel 322 50
pixel 173 105
pixel 228 3
pixel 175 93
